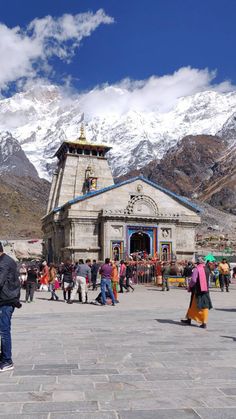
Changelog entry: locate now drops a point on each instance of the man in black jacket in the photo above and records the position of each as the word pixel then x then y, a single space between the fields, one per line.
pixel 9 299
pixel 94 274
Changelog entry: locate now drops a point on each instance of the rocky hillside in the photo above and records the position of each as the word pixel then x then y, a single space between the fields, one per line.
pixel 201 167
pixel 23 195
pixel 220 189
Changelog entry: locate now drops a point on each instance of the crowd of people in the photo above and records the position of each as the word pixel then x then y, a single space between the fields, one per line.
pixel 77 278
pixel 114 277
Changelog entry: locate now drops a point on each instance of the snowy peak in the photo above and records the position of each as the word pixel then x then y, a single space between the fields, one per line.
pixel 42 94
pixel 13 160
pixel 42 117
pixel 9 146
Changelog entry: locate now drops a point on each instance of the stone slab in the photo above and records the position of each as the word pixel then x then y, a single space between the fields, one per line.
pixel 211 413
pixel 81 406
pixel 82 415
pixel 160 414
pixel 34 416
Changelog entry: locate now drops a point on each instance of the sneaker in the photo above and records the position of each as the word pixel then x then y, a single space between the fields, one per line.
pixel 5 366
pixel 95 303
pixel 69 302
pixel 203 326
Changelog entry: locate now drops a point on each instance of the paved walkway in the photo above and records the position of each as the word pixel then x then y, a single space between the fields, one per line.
pixel 131 361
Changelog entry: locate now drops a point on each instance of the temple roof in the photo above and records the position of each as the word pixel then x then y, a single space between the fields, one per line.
pixel 173 195
pixel 81 143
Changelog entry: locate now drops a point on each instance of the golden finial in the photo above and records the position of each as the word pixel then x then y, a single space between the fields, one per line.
pixel 82 134
pixel 82 137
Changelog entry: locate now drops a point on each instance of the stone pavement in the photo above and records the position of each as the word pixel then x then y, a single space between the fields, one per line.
pixel 132 361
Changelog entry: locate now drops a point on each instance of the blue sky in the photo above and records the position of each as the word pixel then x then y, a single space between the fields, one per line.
pixel 148 37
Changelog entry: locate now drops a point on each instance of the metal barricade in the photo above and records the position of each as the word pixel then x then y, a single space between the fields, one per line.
pixel 144 272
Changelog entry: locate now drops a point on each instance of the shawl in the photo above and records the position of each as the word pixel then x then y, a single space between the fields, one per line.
pixel 199 274
pixel 202 278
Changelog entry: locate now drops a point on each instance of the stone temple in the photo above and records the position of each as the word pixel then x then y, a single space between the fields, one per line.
pixel 89 216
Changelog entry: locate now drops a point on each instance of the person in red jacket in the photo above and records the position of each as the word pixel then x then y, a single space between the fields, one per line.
pixel 122 276
pixel 44 276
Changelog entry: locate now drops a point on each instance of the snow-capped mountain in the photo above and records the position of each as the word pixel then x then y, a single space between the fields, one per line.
pixel 13 160
pixel 23 194
pixel 228 131
pixel 41 118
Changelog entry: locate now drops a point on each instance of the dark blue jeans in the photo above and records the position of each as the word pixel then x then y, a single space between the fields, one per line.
pixel 52 290
pixel 106 283
pixel 5 333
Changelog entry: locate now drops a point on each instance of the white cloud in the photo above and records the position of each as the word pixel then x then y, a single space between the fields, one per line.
pixel 157 94
pixel 25 53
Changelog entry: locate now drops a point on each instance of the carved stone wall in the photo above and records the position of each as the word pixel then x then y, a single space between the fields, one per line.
pixel 142 205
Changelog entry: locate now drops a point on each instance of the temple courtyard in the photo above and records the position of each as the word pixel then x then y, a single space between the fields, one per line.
pixel 131 361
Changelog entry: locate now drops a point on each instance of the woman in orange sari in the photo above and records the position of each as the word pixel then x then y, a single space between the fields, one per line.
pixel 200 302
pixel 114 280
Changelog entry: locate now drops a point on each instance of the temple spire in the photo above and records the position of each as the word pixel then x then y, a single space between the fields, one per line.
pixel 82 137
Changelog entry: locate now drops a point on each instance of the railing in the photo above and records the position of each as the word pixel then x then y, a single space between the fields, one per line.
pixel 143 272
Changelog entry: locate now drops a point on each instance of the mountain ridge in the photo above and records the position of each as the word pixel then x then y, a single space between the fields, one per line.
pixel 41 118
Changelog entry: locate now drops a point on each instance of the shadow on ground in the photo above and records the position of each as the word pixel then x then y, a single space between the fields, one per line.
pixel 160 289
pixel 229 310
pixel 229 337
pixel 169 321
pixel 48 299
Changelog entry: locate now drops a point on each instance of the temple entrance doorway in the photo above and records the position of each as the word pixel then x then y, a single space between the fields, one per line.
pixel 140 242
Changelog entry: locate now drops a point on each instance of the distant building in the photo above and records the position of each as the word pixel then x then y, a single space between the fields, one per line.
pixel 90 216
